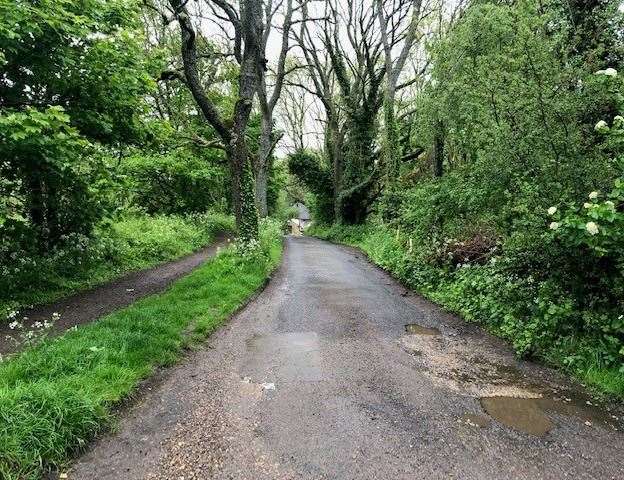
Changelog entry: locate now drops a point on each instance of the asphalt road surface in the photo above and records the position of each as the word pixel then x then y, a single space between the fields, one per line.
pixel 337 372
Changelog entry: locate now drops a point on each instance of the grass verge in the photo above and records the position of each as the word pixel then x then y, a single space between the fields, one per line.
pixel 479 303
pixel 58 395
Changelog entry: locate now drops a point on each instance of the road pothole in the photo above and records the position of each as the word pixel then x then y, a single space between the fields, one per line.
pixel 468 366
pixel 415 329
pixel 529 415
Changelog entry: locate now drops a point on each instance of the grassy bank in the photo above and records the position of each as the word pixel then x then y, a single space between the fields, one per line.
pixel 128 244
pixel 486 294
pixel 57 396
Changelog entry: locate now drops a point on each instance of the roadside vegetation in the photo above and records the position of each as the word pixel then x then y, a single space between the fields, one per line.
pixel 58 395
pixel 107 164
pixel 494 183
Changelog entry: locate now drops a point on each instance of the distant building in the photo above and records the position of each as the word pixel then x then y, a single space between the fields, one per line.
pixel 304 214
pixel 301 221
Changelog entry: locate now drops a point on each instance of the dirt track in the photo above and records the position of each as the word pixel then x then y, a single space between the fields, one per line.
pixel 84 307
pixel 319 377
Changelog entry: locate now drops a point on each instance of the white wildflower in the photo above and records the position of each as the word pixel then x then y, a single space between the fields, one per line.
pixel 554 225
pixel 14 325
pixel 609 72
pixel 102 36
pixel 593 195
pixel 601 126
pixel 610 204
pixel 591 228
pixel 618 119
pixel 552 210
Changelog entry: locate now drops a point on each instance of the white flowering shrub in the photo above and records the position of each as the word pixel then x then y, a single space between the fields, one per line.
pixel 591 235
pixel 597 225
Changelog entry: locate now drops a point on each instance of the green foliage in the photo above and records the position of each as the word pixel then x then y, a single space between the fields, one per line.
pixel 46 178
pixel 85 56
pixel 71 73
pixel 57 396
pixel 179 182
pixel 277 181
pixel 309 168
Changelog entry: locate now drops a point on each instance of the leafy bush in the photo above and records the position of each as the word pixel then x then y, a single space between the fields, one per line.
pixel 46 179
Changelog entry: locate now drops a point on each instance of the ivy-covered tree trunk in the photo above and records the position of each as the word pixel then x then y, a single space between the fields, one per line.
pixel 391 140
pixel 243 195
pixel 262 164
pixel 248 31
pixel 438 150
pixel 334 148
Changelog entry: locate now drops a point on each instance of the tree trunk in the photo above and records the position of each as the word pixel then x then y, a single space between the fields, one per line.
pixel 391 136
pixel 233 136
pixel 333 146
pixel 261 191
pixel 243 193
pixel 262 164
pixel 438 150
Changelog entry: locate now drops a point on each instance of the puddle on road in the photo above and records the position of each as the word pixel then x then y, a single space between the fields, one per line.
pixel 522 414
pixel 529 414
pixel 517 398
pixel 415 329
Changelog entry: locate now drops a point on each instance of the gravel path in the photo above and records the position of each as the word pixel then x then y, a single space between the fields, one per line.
pixel 89 305
pixel 319 378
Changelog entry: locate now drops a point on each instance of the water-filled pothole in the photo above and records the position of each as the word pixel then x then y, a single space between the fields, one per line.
pixel 529 414
pixel 415 329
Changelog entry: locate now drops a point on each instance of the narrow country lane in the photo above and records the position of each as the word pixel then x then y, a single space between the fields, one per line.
pixel 319 378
